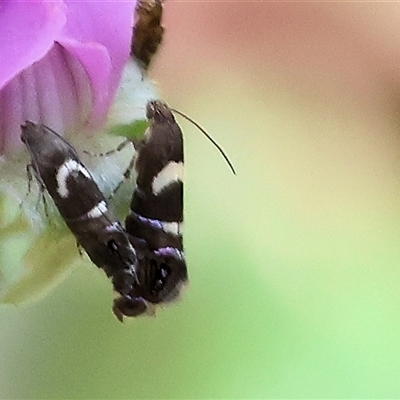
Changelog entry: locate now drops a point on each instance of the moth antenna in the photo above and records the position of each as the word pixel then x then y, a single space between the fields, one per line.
pixel 202 130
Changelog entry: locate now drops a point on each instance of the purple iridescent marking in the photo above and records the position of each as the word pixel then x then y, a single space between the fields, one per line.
pixel 135 298
pixel 169 252
pixel 154 223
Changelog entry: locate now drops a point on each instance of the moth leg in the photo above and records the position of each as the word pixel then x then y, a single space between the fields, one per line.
pixel 29 175
pixel 117 149
pixel 42 197
pixel 31 172
pixel 128 170
pixel 126 176
pixel 79 247
pixel 45 204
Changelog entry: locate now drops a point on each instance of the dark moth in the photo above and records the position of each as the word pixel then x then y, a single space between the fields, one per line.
pixel 83 206
pixel 155 222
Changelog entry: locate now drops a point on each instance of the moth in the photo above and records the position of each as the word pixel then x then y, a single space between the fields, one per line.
pixel 148 31
pixel 83 206
pixel 155 222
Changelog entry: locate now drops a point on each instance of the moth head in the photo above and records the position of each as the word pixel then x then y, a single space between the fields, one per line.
pixel 157 111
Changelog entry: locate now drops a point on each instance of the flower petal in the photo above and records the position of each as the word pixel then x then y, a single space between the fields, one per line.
pixel 27 33
pixel 54 91
pixel 95 60
pixel 110 25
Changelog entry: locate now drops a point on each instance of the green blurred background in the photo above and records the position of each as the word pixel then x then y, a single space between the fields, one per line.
pixel 294 263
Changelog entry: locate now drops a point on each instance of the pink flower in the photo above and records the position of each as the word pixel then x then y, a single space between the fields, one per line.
pixel 60 63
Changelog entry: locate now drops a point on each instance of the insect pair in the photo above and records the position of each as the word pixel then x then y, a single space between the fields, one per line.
pixel 145 258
